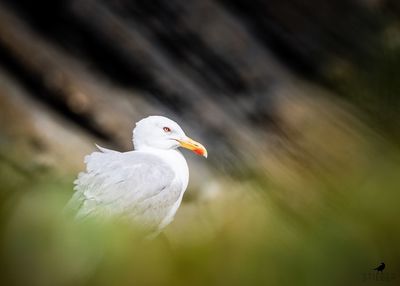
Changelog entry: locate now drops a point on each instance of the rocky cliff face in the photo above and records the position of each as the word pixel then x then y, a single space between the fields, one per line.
pixel 248 79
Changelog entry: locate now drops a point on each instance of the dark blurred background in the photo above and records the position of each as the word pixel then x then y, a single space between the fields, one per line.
pixel 296 101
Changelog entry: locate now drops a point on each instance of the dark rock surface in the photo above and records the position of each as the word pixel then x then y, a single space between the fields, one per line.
pixel 234 73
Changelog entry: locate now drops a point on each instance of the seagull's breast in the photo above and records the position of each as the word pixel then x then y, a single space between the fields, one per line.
pixel 177 162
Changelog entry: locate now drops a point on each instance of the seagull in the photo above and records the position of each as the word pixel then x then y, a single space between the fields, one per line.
pixel 145 185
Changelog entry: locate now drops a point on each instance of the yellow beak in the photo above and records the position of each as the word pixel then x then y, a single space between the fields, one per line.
pixel 196 147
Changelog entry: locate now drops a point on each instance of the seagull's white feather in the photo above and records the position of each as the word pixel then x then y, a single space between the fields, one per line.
pixel 136 185
pixel 105 150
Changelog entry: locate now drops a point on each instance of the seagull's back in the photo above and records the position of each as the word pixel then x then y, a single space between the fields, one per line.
pixel 137 185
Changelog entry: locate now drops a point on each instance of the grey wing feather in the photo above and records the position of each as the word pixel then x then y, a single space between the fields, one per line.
pixel 136 185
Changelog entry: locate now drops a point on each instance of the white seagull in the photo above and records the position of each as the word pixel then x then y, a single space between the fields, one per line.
pixel 145 185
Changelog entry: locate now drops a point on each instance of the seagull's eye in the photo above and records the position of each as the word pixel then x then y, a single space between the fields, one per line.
pixel 167 129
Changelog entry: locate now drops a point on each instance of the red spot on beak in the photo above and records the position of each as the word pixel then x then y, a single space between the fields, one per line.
pixel 199 151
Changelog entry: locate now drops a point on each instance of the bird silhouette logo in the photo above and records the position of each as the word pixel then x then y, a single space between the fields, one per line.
pixel 380 267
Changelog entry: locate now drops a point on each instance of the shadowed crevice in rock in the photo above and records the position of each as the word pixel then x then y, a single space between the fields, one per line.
pixel 38 90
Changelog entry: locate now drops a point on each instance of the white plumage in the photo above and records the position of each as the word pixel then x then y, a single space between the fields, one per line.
pixel 145 185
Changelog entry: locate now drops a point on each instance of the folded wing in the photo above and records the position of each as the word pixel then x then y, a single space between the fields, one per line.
pixel 133 185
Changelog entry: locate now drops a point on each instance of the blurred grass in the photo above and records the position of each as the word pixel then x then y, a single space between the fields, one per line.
pixel 252 235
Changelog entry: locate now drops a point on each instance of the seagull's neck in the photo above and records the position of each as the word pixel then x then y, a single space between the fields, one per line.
pixel 174 158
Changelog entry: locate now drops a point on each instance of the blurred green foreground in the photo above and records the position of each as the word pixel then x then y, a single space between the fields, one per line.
pixel 328 229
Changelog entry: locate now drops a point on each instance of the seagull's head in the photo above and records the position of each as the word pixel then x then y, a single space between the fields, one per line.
pixel 163 133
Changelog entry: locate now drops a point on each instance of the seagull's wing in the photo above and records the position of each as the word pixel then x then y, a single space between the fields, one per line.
pixel 133 184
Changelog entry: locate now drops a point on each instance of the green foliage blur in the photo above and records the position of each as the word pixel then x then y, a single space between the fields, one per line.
pixel 336 231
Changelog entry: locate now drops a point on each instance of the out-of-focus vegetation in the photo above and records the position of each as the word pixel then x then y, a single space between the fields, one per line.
pixel 334 233
pixel 297 104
